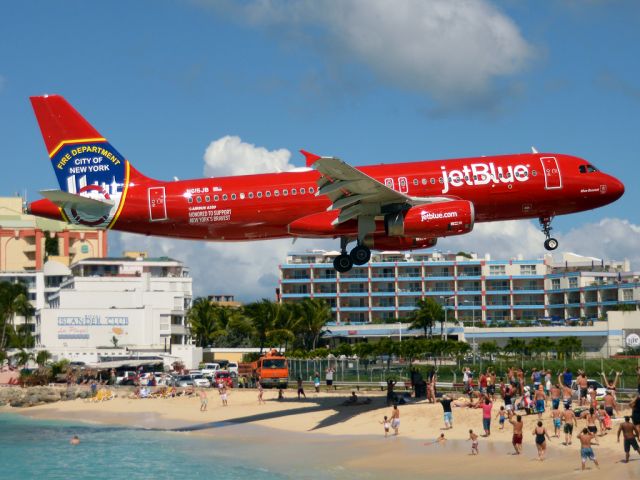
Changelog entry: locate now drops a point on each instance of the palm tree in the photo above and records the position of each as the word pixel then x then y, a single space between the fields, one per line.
pixel 515 346
pixel 232 329
pixel 263 317
pixel 314 315
pixel 427 313
pixel 540 345
pixel 489 348
pixel 42 357
pixel 569 346
pixel 22 357
pixel 202 321
pixel 14 301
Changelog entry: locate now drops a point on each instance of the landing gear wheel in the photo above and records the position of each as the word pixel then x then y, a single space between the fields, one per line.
pixel 342 263
pixel 360 255
pixel 551 244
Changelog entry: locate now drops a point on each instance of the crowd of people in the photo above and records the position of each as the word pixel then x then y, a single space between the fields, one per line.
pixel 538 394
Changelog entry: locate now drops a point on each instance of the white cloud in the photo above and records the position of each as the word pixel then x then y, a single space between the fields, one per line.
pixel 609 239
pixel 451 50
pixel 229 155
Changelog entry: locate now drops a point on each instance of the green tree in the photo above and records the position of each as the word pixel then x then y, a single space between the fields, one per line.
pixel 515 346
pixel 42 357
pixel 314 315
pixel 22 357
pixel 231 327
pixel 14 301
pixel 427 313
pixel 263 315
pixel 202 321
pixel 540 346
pixel 489 349
pixel 569 346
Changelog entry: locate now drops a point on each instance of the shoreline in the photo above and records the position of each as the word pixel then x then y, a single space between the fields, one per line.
pixel 349 436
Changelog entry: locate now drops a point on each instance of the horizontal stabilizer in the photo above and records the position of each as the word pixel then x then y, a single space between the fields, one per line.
pixel 71 200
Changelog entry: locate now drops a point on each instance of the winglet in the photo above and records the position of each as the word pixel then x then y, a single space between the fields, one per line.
pixel 310 157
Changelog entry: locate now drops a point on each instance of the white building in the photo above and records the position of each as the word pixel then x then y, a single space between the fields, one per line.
pixel 138 304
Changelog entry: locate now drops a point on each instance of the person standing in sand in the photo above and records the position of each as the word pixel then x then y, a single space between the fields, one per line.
pixel 630 436
pixel 223 395
pixel 541 440
pixel 329 378
pixel 486 416
pixel 554 395
pixel 445 401
pixel 518 426
pixel 540 399
pixel 300 388
pixel 586 451
pixel 566 391
pixel 260 393
pixel 569 419
pixel 316 382
pixel 203 400
pixel 385 424
pixel 474 442
pixel 395 419
pixel 635 412
pixel 556 415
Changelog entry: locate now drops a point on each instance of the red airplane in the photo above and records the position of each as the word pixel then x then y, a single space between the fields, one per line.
pixel 400 206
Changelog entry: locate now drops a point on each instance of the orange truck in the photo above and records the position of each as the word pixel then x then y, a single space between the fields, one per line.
pixel 272 369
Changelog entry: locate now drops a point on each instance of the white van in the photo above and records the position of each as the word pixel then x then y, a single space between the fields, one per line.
pixel 233 367
pixel 208 369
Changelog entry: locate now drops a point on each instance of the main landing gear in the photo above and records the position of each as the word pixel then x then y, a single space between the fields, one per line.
pixel 550 243
pixel 359 255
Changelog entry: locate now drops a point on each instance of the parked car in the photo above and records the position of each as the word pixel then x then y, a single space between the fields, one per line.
pixel 209 369
pixel 200 381
pixel 600 389
pixel 184 381
pixel 223 376
pixel 129 377
pixel 233 367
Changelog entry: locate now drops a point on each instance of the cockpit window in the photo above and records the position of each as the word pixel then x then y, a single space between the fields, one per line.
pixel 587 169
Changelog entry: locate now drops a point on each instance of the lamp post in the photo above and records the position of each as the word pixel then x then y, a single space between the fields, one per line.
pixel 446 309
pixel 473 325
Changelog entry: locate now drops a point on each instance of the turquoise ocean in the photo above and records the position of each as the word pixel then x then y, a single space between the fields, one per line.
pixel 40 449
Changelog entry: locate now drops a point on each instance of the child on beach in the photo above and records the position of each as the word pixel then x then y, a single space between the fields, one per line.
pixel 386 425
pixel 260 394
pixel 474 442
pixel 441 440
pixel 501 417
pixel 556 415
pixel 223 395
pixel 203 400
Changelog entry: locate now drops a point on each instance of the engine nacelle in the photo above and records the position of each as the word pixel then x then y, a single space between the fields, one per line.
pixel 379 242
pixel 441 219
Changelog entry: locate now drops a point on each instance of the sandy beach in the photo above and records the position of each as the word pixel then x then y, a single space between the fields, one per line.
pixel 321 430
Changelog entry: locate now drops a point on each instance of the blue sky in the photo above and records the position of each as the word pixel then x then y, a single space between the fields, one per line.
pixel 369 81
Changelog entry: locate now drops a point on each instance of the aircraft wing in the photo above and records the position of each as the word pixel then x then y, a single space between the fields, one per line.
pixel 71 200
pixel 355 193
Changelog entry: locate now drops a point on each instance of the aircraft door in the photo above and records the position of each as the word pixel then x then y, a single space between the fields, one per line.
pixel 403 185
pixel 157 204
pixel 552 177
pixel 389 183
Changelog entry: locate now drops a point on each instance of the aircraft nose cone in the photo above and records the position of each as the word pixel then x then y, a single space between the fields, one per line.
pixel 616 188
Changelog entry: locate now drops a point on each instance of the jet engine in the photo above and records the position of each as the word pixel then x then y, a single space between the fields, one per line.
pixel 442 219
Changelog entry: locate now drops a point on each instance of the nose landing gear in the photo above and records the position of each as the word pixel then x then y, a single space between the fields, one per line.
pixel 359 255
pixel 550 243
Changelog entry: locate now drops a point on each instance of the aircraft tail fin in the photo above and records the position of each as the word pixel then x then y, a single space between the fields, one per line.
pixel 84 161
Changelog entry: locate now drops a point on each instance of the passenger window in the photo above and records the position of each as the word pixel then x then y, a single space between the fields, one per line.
pixel 216 198
pixel 225 196
pixel 432 181
pixel 250 194
pixel 259 194
pixel 302 191
pixel 199 199
pixel 293 191
pixel 285 192
pixel 207 199
pixel 190 199
pixel 276 193
pixel 233 196
pixel 268 194
pixel 242 196
pixel 311 190
pixel 415 181
pixel 424 181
